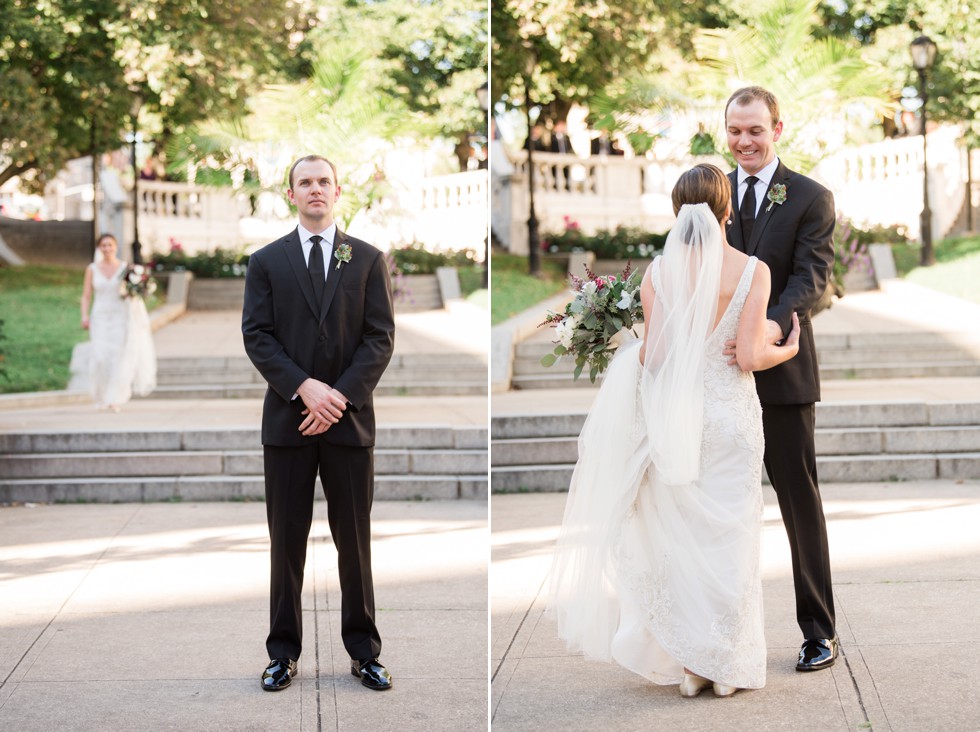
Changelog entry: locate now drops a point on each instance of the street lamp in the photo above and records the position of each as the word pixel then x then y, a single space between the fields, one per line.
pixel 923 52
pixel 483 97
pixel 134 112
pixel 534 255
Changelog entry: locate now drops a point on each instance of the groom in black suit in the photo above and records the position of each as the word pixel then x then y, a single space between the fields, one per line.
pixel 319 326
pixel 787 220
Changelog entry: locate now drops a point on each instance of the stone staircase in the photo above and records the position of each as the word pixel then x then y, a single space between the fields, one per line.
pixel 841 356
pixel 411 462
pixel 856 442
pixel 449 374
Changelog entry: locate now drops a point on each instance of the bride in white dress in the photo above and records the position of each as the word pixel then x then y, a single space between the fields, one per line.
pixel 122 359
pixel 657 562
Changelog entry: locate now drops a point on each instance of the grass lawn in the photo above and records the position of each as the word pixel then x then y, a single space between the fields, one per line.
pixel 957 268
pixel 40 309
pixel 513 290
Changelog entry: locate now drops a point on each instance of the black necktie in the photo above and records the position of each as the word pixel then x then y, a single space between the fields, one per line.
pixel 316 267
pixel 746 212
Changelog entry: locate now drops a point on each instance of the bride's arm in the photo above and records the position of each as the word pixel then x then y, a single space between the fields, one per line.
pixel 86 296
pixel 647 298
pixel 753 351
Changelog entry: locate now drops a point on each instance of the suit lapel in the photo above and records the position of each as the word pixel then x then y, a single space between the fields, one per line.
pixel 734 229
pixel 767 210
pixel 294 253
pixel 334 274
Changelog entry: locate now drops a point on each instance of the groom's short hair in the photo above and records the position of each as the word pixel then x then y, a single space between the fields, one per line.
pixel 308 158
pixel 748 94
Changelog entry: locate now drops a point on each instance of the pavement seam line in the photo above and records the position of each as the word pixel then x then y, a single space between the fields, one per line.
pixel 510 645
pixel 316 642
pixel 70 595
pixel 847 663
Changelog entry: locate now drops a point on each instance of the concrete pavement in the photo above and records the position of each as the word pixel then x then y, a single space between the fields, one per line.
pixel 906 560
pixel 153 617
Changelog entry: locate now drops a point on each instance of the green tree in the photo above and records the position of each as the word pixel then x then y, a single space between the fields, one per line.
pixel 336 111
pixel 70 70
pixel 434 58
pixel 570 50
pixel 817 81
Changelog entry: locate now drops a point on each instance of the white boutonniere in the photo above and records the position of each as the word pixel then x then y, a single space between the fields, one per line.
pixel 776 196
pixel 342 255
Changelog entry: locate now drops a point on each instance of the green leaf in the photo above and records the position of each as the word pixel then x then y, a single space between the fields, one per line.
pixel 579 365
pixel 593 374
pixel 549 359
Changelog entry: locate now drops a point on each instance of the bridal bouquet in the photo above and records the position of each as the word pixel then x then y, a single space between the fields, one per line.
pixel 137 282
pixel 591 328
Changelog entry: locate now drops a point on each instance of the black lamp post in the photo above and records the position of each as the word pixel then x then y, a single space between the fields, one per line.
pixel 134 114
pixel 483 96
pixel 923 52
pixel 534 246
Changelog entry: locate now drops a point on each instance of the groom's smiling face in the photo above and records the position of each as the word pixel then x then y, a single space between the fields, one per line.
pixel 751 134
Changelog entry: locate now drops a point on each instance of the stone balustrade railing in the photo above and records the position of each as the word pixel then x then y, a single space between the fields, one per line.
pixel 881 183
pixel 444 212
pixel 599 192
pixel 876 184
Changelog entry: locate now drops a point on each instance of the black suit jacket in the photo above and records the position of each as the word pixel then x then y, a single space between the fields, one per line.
pixel 346 341
pixel 795 238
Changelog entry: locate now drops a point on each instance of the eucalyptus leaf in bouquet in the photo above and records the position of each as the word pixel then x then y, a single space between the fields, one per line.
pixel 596 322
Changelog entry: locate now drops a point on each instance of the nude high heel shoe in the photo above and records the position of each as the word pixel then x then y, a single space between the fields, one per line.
pixel 722 690
pixel 692 685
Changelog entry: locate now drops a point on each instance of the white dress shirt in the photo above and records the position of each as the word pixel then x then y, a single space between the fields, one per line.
pixel 326 245
pixel 761 185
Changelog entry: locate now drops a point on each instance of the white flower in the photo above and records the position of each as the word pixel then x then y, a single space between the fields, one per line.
pixel 138 269
pixel 626 300
pixel 564 332
pixel 589 290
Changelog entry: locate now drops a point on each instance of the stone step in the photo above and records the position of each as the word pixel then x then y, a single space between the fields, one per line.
pixel 222 488
pixel 389 437
pixel 829 442
pixel 396 377
pixel 881 414
pixel 532 375
pixel 901 370
pixel 405 360
pixel 859 356
pixel 257 391
pixel 831 469
pixel 213 462
pixel 542 341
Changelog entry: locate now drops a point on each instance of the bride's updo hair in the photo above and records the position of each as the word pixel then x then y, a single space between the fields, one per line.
pixel 703 184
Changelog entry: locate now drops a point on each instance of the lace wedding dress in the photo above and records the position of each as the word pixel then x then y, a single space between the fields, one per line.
pixel 122 358
pixel 657 563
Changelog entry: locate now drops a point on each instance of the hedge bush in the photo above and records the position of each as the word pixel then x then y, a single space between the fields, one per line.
pixel 623 242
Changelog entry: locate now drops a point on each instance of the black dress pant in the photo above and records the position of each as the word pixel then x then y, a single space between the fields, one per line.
pixel 347 475
pixel 791 464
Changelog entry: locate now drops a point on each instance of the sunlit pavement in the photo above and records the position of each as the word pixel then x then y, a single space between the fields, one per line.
pixel 906 560
pixel 153 617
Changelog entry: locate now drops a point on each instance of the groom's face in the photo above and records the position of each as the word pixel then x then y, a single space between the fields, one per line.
pixel 751 134
pixel 314 192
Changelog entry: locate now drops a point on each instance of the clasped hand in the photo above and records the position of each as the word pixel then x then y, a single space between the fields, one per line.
pixel 324 406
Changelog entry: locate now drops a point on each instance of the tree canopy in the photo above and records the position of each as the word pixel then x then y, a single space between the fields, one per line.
pixel 71 70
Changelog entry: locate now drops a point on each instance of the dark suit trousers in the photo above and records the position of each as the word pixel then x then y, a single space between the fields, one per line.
pixel 347 475
pixel 791 464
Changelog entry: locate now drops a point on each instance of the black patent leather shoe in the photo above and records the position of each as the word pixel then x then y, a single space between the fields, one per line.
pixel 278 674
pixel 372 674
pixel 817 653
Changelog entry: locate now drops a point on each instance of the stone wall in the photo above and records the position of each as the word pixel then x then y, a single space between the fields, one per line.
pixel 65 243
